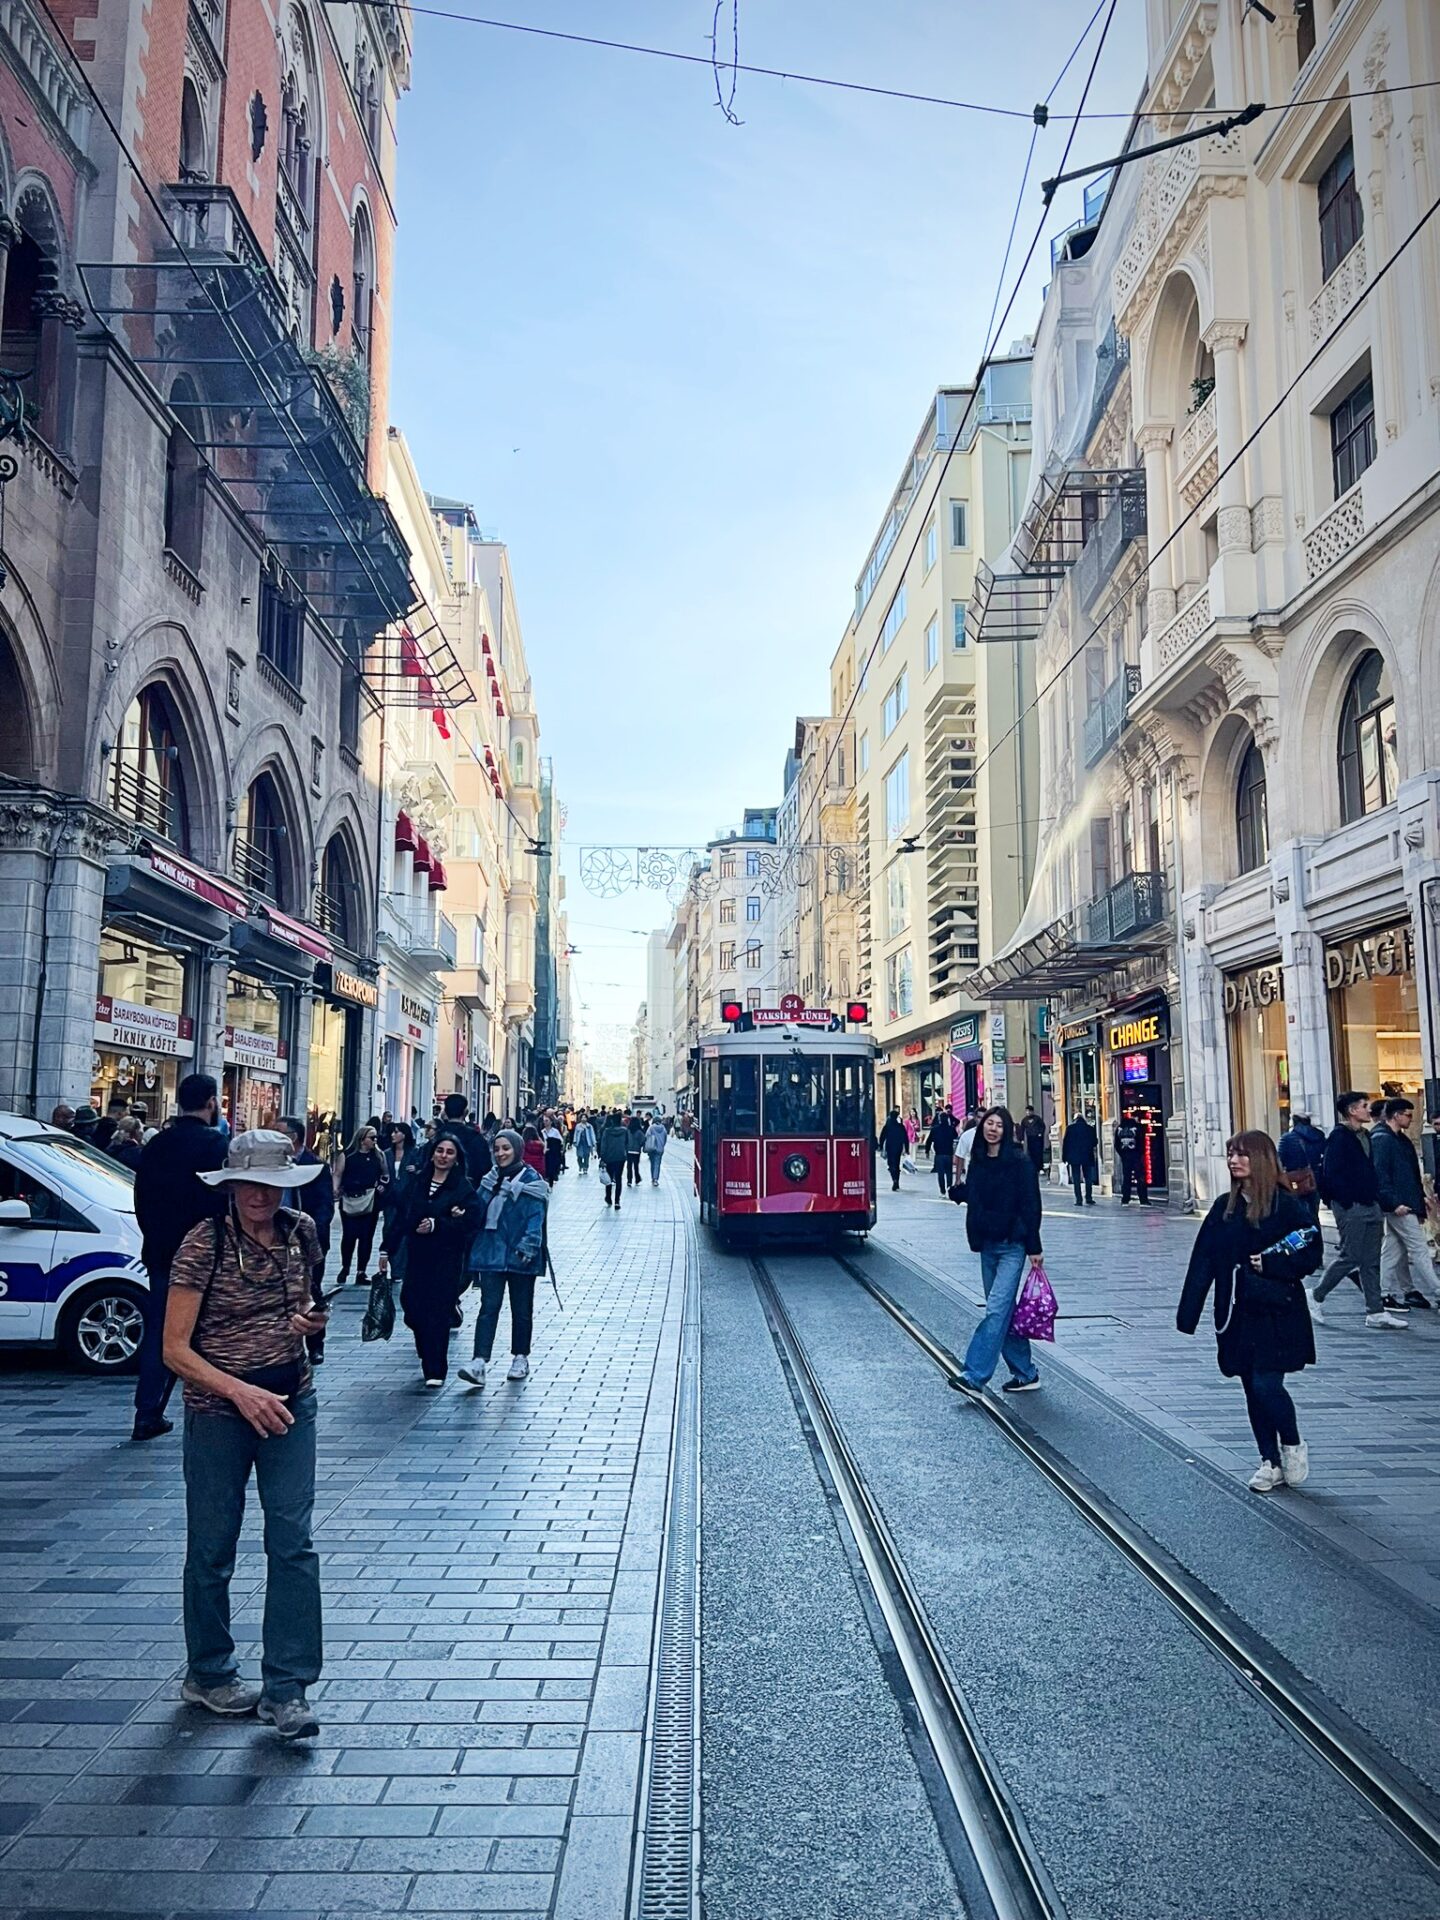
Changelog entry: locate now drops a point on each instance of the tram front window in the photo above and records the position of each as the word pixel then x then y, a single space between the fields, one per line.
pixel 853 1114
pixel 738 1103
pixel 797 1094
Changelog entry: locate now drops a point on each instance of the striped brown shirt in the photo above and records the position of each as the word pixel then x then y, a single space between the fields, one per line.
pixel 244 1318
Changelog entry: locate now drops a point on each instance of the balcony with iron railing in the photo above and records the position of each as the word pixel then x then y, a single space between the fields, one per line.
pixel 428 935
pixel 145 801
pixel 1122 521
pixel 1105 721
pixel 254 864
pixel 1133 905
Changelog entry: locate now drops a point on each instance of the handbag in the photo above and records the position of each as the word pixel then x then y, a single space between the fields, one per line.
pixel 1035 1307
pixel 353 1203
pixel 957 1192
pixel 1302 1180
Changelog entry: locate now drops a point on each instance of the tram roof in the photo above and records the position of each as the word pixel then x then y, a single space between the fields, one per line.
pixel 724 1040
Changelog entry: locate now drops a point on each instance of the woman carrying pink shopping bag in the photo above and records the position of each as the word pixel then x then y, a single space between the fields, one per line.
pixel 1002 1223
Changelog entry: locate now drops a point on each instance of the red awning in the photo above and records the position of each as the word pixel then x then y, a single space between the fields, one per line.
pixel 438 882
pixel 423 859
pixel 295 934
pixel 195 880
pixel 405 835
pixel 485 643
pixel 442 725
pixel 490 668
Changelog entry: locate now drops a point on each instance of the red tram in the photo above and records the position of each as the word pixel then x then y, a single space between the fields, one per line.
pixel 786 1138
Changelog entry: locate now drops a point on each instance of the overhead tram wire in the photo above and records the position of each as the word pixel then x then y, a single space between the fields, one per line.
pixel 849 86
pixel 985 362
pixel 1239 454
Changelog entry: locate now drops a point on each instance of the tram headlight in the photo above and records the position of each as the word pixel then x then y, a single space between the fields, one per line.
pixel 795 1167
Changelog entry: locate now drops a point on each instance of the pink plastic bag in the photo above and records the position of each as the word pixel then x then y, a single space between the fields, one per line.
pixel 1035 1307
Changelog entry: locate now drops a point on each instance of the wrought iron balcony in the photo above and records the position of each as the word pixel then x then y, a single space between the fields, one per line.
pixel 429 936
pixel 1122 522
pixel 135 796
pixel 1105 721
pixel 1129 907
pixel 253 864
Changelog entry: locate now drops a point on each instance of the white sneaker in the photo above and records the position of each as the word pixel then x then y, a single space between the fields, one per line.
pixel 519 1367
pixel 1317 1312
pixel 1378 1322
pixel 434 1384
pixel 473 1373
pixel 1266 1478
pixel 1295 1463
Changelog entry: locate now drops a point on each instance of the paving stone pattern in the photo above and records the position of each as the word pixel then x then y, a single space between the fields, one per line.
pixel 489 1565
pixel 1369 1408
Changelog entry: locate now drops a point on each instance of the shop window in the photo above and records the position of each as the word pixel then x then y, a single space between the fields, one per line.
pixel 282 623
pixel 1352 435
pixel 147 785
pixel 1375 1013
pixel 1342 215
pixel 1252 818
pixel 1369 765
pixel 260 836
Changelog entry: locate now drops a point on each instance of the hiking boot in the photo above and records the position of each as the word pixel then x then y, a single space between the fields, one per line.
pixel 292 1719
pixel 231 1698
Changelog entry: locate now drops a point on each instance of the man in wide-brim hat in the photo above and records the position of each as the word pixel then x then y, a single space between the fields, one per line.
pixel 235 1327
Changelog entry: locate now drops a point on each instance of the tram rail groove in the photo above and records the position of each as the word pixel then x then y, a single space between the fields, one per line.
pixel 1011 1875
pixel 1260 1670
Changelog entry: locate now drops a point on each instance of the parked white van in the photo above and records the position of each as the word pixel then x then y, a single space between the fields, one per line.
pixel 70 1272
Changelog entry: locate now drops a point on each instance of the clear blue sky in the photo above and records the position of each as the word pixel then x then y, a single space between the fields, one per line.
pixel 677 364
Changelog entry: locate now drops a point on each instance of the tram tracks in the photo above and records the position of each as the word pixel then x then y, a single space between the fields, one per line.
pixel 1000 1855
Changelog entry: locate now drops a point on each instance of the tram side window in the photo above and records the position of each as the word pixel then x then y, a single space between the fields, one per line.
pixel 797 1094
pixel 852 1098
pixel 738 1107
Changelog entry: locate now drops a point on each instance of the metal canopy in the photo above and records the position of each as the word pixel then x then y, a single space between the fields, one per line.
pixel 1009 606
pixel 1049 962
pixel 207 301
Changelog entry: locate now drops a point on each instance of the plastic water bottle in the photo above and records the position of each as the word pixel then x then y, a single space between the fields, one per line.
pixel 1295 1242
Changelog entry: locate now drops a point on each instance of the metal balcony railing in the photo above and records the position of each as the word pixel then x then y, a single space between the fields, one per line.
pixel 429 934
pixel 1105 721
pixel 1130 906
pixel 137 797
pixel 1122 522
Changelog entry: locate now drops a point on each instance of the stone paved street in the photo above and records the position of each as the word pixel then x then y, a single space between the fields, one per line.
pixel 489 1565
pixel 1370 1408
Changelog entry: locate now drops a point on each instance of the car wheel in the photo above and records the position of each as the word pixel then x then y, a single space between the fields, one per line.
pixel 101 1331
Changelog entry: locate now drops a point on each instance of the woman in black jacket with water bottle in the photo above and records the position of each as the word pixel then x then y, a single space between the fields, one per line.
pixel 1255 1248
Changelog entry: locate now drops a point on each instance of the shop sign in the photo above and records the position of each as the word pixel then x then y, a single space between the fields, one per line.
pixel 1080 1034
pixel 966 1032
pixel 1131 1030
pixel 416 1010
pixel 462 1052
pixel 204 886
pixel 295 934
pixel 914 1048
pixel 1256 987
pixel 1373 956
pixel 258 1050
pixel 353 986
pixel 120 1023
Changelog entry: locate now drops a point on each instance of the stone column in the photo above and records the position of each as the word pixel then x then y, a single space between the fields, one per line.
pixel 1153 442
pixel 1307 1015
pixel 1223 338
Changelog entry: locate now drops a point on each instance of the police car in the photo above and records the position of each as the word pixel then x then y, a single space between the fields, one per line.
pixel 70 1272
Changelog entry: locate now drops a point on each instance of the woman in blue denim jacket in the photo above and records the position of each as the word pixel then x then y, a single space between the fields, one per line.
pixel 509 1251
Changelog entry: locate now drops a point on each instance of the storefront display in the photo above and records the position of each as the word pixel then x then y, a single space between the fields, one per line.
pixel 1080 1068
pixel 408 1058
pixel 1259 1049
pixel 967 1070
pixel 1374 1001
pixel 143 1031
pixel 332 1078
pixel 1137 1042
pixel 257 1055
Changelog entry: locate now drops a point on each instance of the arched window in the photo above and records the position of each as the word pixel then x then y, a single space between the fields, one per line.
pixel 337 900
pixel 372 109
pixel 36 344
pixel 1252 818
pixel 184 483
pixel 17 743
pixel 147 784
pixel 517 761
pixel 260 836
pixel 194 146
pixel 1369 766
pixel 362 284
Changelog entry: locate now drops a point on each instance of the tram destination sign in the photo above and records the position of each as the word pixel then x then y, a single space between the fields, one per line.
pixel 777 1017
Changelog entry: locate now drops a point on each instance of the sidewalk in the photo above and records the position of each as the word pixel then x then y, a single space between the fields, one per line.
pixel 1370 1408
pixel 489 1565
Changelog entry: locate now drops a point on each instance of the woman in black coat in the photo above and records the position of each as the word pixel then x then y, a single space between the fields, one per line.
pixel 1002 1224
pixel 403 1161
pixel 436 1220
pixel 1256 1247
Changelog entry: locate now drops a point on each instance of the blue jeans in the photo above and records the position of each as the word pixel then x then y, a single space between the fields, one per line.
pixel 1001 1269
pixel 657 1155
pixel 220 1451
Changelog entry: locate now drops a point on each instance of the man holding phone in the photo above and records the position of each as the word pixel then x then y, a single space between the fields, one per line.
pixel 238 1317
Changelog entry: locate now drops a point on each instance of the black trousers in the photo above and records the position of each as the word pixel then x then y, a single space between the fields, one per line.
pixel 614 1177
pixel 1082 1170
pixel 429 1309
pixel 357 1236
pixel 522 1311
pixel 155 1382
pixel 944 1168
pixel 892 1160
pixel 1132 1169
pixel 1272 1414
pixel 632 1168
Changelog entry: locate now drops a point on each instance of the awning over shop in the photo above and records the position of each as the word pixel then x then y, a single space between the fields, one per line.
pixel 161 887
pixel 438 882
pixel 296 934
pixel 1055 960
pixel 406 838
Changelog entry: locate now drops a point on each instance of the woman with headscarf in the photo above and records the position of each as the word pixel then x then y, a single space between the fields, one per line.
pixel 533 1148
pixel 434 1222
pixel 509 1255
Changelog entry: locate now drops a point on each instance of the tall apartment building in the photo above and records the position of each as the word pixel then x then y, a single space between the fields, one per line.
pixel 660 1010
pixel 199 566
pixel 941 858
pixel 1237 912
